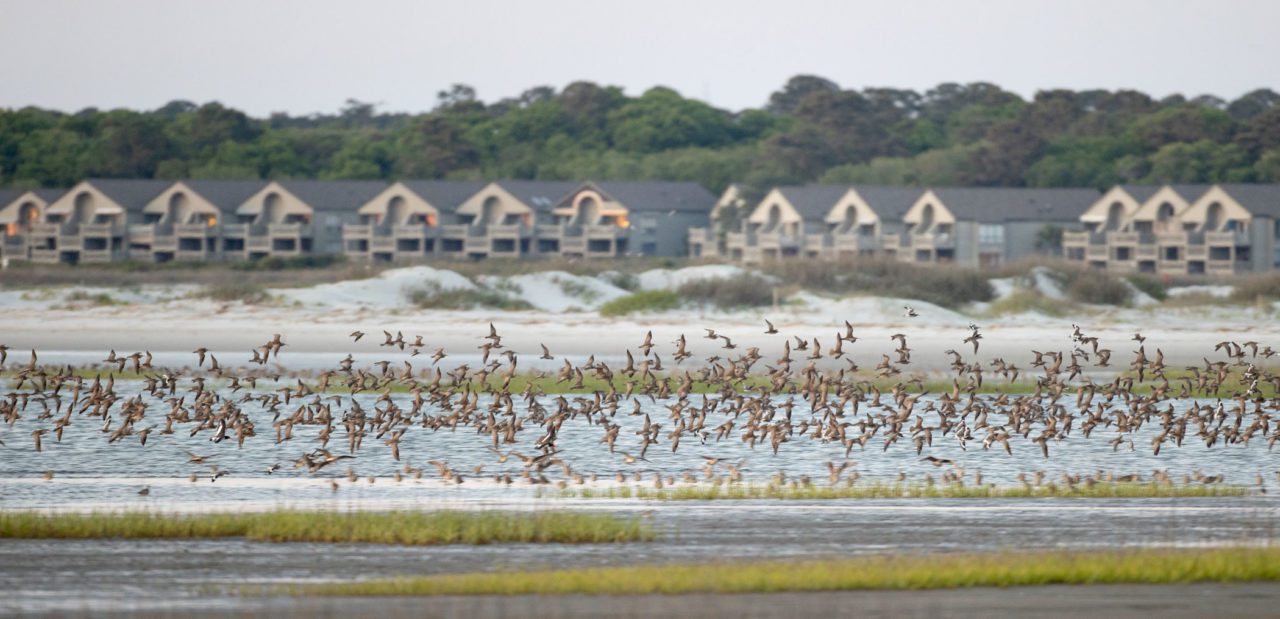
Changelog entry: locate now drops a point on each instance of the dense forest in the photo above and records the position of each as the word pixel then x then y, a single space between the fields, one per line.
pixel 809 130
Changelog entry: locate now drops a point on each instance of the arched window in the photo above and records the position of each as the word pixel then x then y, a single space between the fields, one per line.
pixel 1213 218
pixel 1115 215
pixel 491 211
pixel 774 218
pixel 850 219
pixel 272 209
pixel 926 219
pixel 396 212
pixel 179 209
pixel 588 212
pixel 28 214
pixel 84 208
pixel 1164 216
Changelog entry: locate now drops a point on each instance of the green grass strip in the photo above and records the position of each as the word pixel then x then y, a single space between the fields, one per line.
pixel 873 572
pixel 401 527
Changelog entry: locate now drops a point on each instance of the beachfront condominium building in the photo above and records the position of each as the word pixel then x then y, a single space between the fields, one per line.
pixel 89 223
pixel 626 218
pixel 1180 229
pixel 968 226
pixel 20 210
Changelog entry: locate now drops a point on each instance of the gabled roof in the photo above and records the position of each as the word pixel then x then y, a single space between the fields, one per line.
pixel 540 196
pixel 1190 192
pixel 130 194
pixel 1259 199
pixel 652 195
pixel 813 202
pixel 444 195
pixel 1005 204
pixel 225 195
pixel 334 195
pixel 890 203
pixel 1141 193
pixel 9 195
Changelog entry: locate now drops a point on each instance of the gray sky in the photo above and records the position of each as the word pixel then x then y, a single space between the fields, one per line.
pixel 263 56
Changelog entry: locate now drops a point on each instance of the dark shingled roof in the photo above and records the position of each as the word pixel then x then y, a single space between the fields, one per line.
pixel 446 196
pixel 889 202
pixel 1190 192
pixel 226 195
pixel 1141 193
pixel 130 194
pixel 8 195
pixel 653 195
pixel 1258 199
pixel 1005 204
pixel 541 196
pixel 334 195
pixel 813 202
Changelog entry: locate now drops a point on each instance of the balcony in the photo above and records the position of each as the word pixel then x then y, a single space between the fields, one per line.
pixel 289 230
pixel 44 230
pixel 476 245
pixel 1081 238
pixel 195 230
pixel 603 232
pixel 382 244
pixel 99 230
pixel 932 241
pixel 1144 252
pixel 356 231
pixel 1197 252
pixel 411 231
pixel 778 240
pixel 818 243
pixel 508 231
pixel 258 244
pixel 573 244
pixel 142 233
pixel 1122 238
pixel 1230 238
pixel 1220 267
pixel 1095 252
pixel 1166 239
pixel 235 231
pixel 454 231
pixel 854 242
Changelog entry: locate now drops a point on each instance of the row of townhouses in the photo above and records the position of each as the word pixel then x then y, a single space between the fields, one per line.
pixel 111 219
pixel 1170 229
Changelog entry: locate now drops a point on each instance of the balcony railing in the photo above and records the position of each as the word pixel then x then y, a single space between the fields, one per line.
pixel 235 231
pixel 1218 239
pixel 855 242
pixel 1171 238
pixel 352 231
pixel 1197 252
pixel 382 243
pixel 411 231
pixel 1122 238
pixel 288 229
pixel 99 229
pixel 701 235
pixel 932 241
pixel 508 230
pixel 1095 252
pixel 142 232
pixel 454 231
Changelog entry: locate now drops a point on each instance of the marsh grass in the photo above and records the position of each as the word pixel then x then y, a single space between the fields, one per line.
pixel 402 527
pixel 1023 300
pixel 642 301
pixel 917 571
pixel 881 490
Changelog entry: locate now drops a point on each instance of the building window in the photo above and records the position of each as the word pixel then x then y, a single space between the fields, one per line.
pixel 991 234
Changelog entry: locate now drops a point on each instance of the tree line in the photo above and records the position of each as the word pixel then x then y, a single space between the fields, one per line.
pixel 810 130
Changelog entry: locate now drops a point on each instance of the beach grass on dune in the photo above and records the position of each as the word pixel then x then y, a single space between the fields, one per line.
pixel 935 571
pixel 403 527
pixel 881 490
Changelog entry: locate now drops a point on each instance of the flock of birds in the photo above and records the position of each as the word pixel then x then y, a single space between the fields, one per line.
pixel 736 393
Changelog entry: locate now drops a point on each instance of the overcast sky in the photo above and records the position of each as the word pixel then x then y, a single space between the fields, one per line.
pixel 308 56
